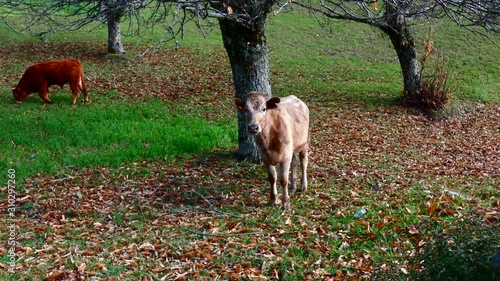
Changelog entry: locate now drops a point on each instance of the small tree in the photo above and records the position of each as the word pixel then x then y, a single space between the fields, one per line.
pixel 45 17
pixel 393 17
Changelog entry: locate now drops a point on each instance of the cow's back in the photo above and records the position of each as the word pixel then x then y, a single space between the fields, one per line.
pixel 298 113
pixel 54 72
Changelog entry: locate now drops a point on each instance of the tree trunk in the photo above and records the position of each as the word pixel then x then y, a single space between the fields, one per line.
pixel 115 45
pixel 405 48
pixel 247 52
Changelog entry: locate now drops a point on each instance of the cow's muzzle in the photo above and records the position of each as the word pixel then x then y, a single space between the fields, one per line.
pixel 253 129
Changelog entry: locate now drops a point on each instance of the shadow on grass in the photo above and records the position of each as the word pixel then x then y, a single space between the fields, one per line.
pixel 212 180
pixel 367 99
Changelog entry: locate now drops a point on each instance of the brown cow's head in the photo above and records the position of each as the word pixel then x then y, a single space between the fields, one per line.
pixel 255 109
pixel 19 94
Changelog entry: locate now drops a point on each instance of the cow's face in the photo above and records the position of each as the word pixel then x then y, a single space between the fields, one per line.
pixel 255 109
pixel 19 94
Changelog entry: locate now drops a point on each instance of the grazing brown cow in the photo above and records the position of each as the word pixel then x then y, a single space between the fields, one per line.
pixel 281 131
pixel 39 77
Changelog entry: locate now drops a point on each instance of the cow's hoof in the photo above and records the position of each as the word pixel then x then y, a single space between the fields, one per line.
pixel 286 206
pixel 272 203
pixel 293 190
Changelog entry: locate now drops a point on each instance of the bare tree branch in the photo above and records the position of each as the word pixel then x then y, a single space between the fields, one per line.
pixel 469 14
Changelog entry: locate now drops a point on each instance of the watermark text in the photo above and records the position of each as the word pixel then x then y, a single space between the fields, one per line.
pixel 11 226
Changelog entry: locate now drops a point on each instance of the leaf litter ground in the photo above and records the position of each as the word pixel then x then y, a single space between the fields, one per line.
pixel 205 216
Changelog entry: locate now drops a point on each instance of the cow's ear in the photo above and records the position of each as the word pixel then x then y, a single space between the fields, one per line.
pixel 238 104
pixel 272 103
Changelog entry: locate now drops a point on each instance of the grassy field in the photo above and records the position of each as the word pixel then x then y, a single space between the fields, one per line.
pixel 52 139
pixel 143 184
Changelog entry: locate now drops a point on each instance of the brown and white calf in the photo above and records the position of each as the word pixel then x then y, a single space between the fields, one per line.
pixel 281 131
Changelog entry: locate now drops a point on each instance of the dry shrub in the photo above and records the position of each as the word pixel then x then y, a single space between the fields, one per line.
pixel 435 92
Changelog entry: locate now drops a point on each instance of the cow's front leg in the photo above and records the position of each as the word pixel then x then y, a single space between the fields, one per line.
pixel 283 178
pixel 271 177
pixel 44 94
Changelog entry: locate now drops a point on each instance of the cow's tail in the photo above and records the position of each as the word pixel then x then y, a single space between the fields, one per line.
pixel 82 85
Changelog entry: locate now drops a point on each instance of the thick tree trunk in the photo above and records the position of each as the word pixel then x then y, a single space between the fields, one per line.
pixel 407 53
pixel 115 45
pixel 248 55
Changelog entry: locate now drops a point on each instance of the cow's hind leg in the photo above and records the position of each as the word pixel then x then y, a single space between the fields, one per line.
pixel 293 167
pixel 271 176
pixel 74 90
pixel 304 155
pixel 82 85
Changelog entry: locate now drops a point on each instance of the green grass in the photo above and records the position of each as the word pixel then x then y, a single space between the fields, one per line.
pixel 52 139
